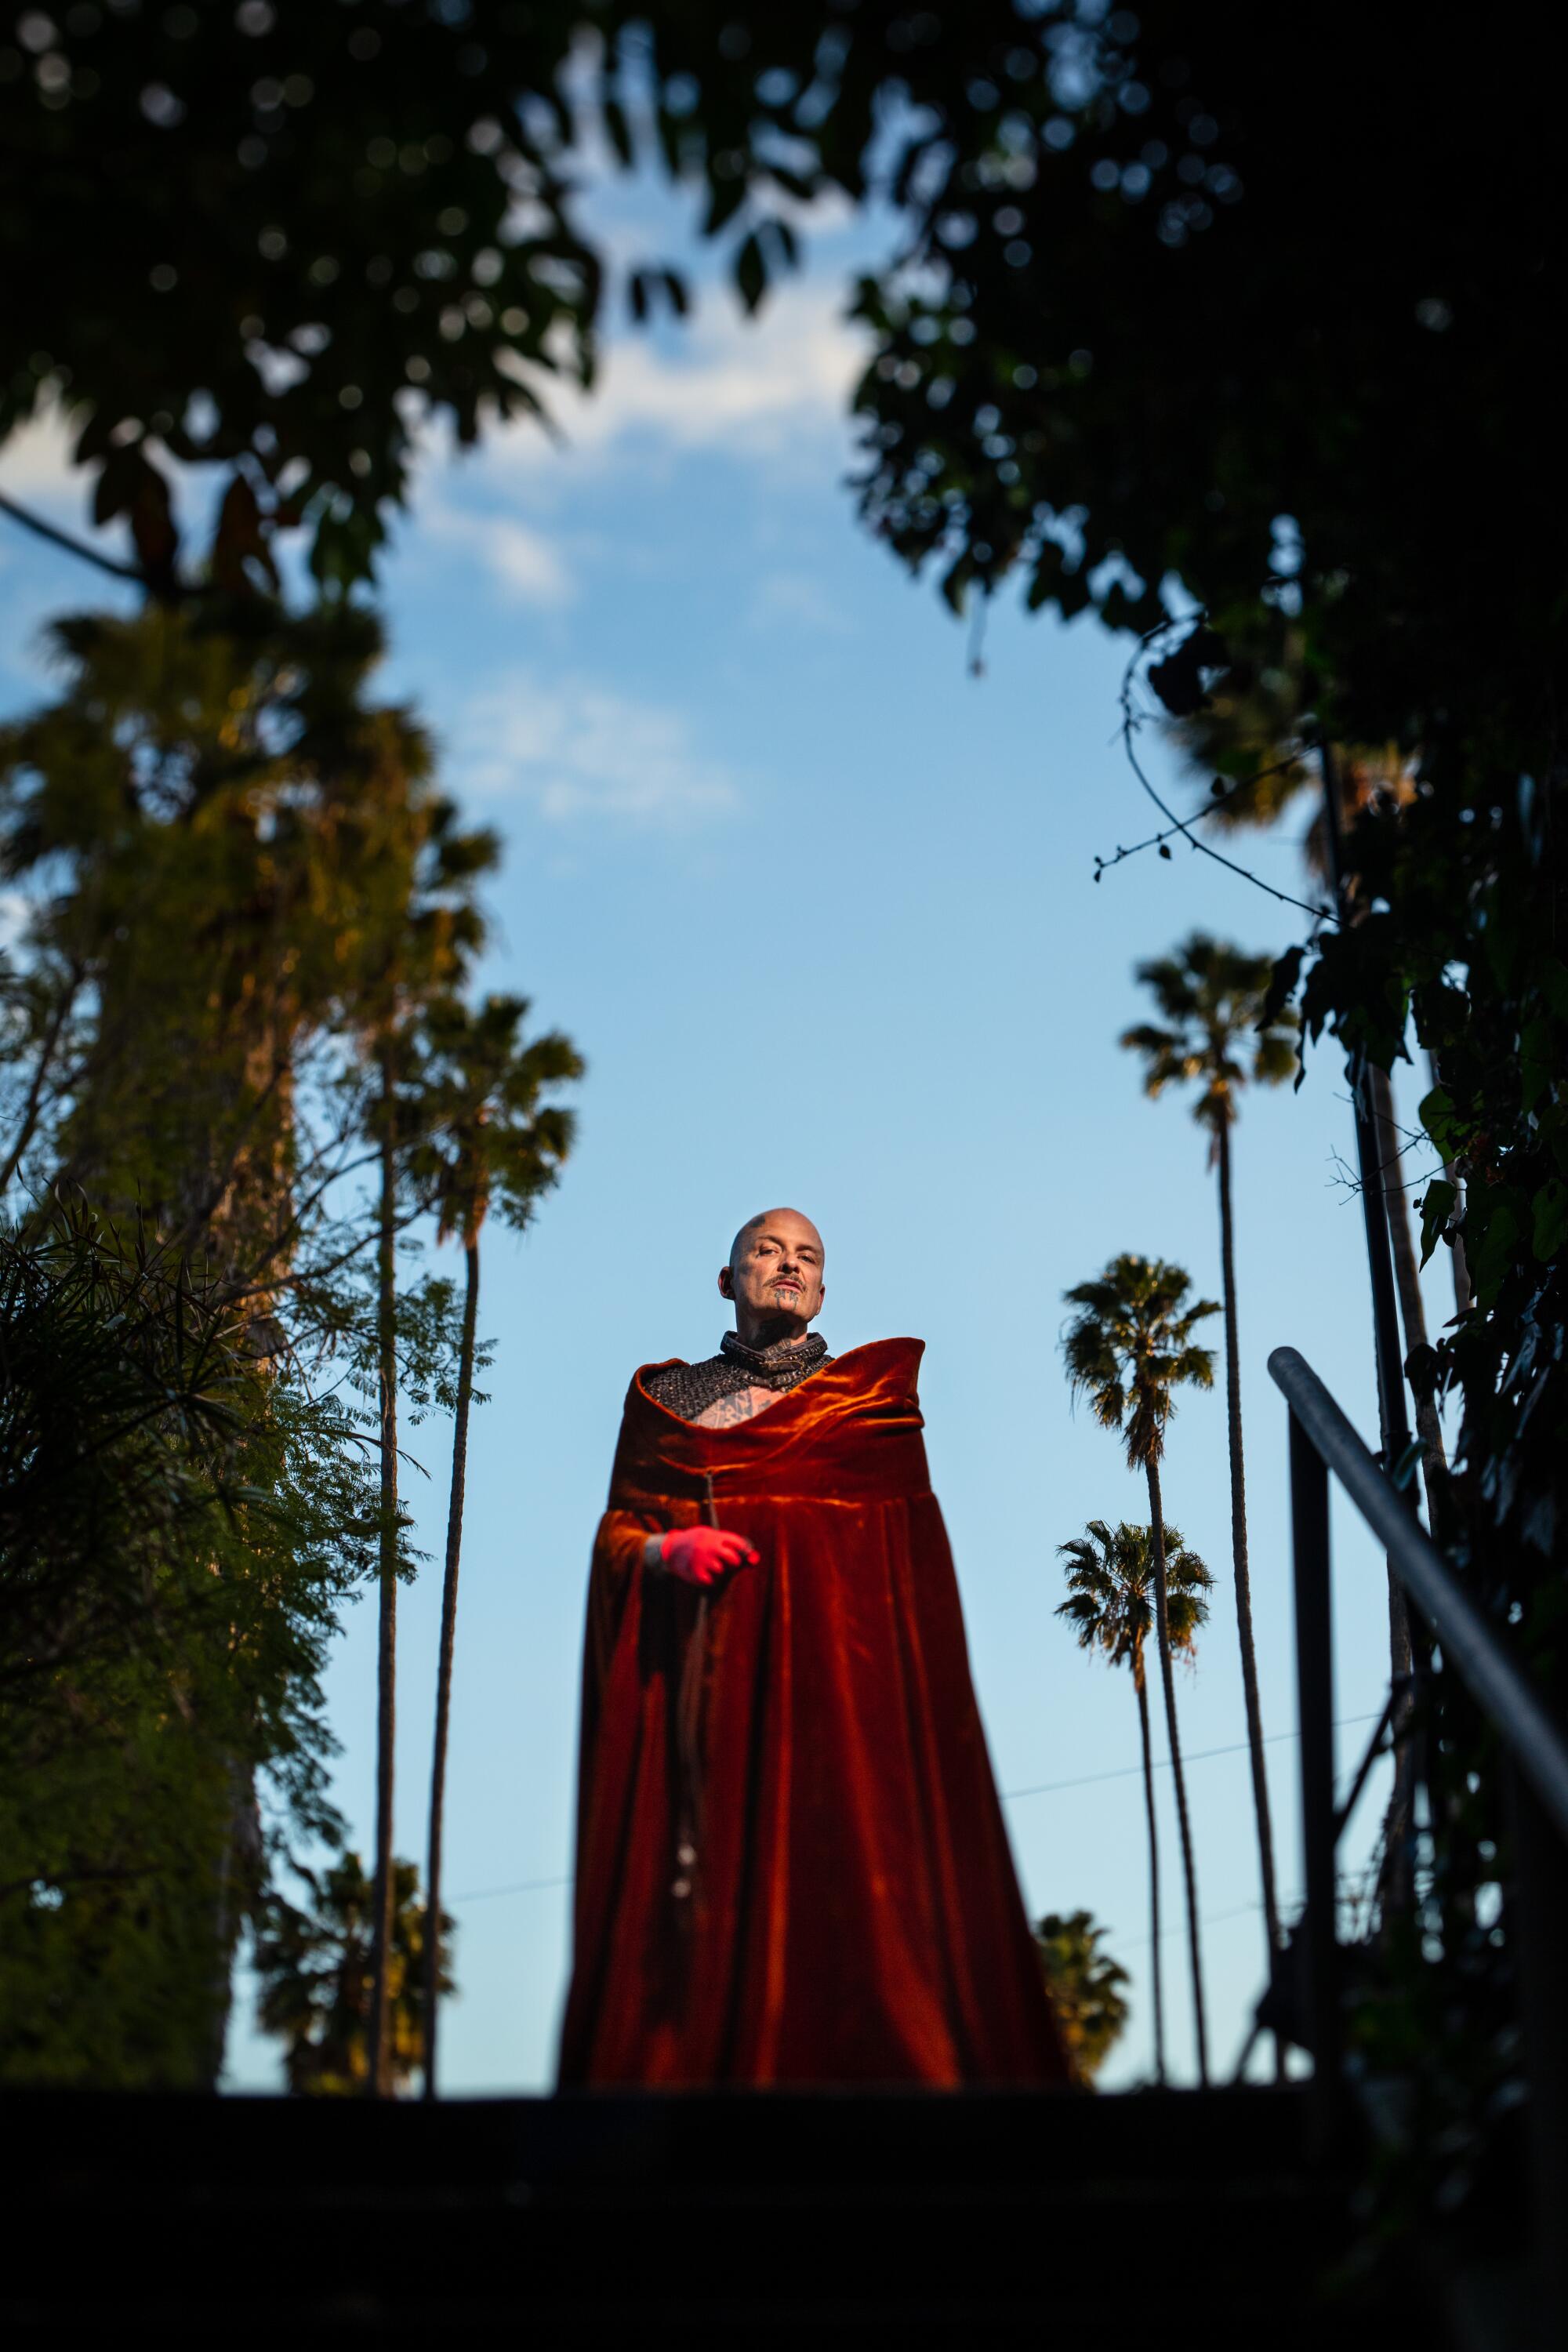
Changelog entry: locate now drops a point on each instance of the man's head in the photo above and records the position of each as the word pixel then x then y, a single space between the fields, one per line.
pixel 774 1277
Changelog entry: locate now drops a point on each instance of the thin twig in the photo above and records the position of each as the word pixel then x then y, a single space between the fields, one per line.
pixel 1131 722
pixel 1210 808
pixel 35 1090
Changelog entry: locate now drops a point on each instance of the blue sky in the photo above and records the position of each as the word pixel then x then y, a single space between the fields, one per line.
pixel 817 906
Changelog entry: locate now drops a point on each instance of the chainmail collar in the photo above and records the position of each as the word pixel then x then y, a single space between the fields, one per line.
pixel 778 1366
pixel 689 1390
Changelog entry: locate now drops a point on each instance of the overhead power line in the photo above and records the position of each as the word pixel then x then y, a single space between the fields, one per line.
pixel 1163 1763
pixel 523 1887
pixel 1040 1789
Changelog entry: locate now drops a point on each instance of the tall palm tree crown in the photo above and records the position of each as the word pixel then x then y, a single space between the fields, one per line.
pixel 1085 1986
pixel 488 1138
pixel 1212 996
pixel 1110 1591
pixel 1131 1345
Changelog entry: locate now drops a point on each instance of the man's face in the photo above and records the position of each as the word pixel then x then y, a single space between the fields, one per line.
pixel 775 1276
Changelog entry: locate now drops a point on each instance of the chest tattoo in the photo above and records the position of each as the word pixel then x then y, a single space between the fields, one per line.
pixel 743 1405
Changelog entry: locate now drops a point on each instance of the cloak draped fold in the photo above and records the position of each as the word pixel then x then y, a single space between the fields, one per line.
pixel 809 1727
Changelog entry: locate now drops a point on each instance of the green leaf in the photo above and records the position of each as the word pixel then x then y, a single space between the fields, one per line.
pixel 724 200
pixel 1283 977
pixel 1437 1116
pixel 751 271
pixel 1403 1471
pixel 1537 1062
pixel 1551 1218
pixel 804 187
pixel 1504 1209
pixel 956 578
pixel 1555 986
pixel 1435 1211
pixel 241 538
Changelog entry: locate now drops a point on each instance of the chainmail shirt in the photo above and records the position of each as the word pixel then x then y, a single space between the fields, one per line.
pixel 690 1389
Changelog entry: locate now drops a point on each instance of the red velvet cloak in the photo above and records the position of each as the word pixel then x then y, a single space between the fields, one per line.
pixel 852 1915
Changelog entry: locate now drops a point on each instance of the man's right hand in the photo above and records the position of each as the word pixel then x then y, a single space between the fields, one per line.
pixel 704 1555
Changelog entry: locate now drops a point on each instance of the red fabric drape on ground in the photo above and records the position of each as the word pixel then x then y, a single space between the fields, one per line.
pixel 853 1913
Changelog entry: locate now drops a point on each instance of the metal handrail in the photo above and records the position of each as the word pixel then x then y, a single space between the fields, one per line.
pixel 1535 1756
pixel 1469 1644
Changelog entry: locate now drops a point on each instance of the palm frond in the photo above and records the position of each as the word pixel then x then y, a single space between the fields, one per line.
pixel 1130 1346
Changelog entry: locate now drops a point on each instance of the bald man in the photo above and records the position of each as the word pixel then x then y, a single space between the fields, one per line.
pixel 774 1280
pixel 792 1866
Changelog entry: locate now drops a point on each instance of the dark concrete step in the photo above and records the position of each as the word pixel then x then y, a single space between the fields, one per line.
pixel 590 2143
pixel 907 2217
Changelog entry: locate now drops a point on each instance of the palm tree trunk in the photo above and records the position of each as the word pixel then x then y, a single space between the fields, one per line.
pixel 1189 1867
pixel 378 2077
pixel 444 1671
pixel 1407 1282
pixel 1238 1542
pixel 1158 1965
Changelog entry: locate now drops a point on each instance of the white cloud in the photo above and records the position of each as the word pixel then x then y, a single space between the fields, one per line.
pixel 35 466
pixel 754 385
pixel 799 600
pixel 765 388
pixel 577 751
pixel 530 567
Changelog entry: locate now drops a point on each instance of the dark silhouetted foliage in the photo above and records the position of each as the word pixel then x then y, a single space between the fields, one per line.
pixel 178 1530
pixel 313 1970
pixel 1085 1985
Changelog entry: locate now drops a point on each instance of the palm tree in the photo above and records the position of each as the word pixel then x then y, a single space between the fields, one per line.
pixel 315 1972
pixel 425 960
pixel 1085 1985
pixel 1129 1347
pixel 378 2077
pixel 1110 1580
pixel 1215 1036
pixel 491 1142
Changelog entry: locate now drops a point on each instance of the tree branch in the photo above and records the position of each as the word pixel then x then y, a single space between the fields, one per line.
pixel 58 538
pixel 35 1090
pixel 1210 808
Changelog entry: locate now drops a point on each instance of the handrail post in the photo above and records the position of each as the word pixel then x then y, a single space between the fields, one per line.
pixel 1538 1929
pixel 1315 1709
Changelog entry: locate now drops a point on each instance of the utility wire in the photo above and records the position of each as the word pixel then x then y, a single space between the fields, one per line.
pixel 523 1887
pixel 1041 1788
pixel 1209 1919
pixel 1163 1763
